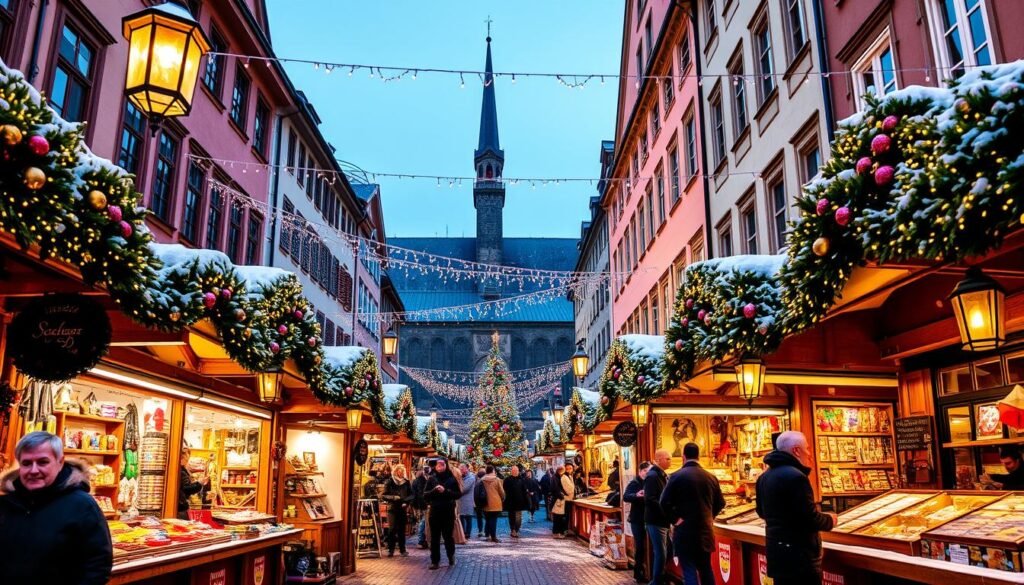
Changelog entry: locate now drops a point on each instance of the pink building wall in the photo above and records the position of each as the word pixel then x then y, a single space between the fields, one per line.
pixel 207 131
pixel 677 237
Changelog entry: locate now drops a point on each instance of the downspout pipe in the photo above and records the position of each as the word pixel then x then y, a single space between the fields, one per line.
pixel 33 64
pixel 823 64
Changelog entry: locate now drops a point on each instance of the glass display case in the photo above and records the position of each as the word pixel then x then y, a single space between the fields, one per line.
pixel 895 521
pixel 991 537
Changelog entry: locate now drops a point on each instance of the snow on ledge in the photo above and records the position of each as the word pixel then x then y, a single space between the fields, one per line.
pixel 651 347
pixel 343 356
pixel 761 264
pixel 392 392
pixel 590 397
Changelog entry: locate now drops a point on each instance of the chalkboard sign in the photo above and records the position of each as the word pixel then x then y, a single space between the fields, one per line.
pixel 625 434
pixel 57 337
pixel 913 433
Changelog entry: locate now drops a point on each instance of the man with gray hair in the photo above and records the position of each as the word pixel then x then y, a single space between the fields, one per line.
pixel 51 530
pixel 792 520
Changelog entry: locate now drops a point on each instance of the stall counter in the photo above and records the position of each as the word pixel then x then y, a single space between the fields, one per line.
pixel 588 511
pixel 262 558
pixel 743 546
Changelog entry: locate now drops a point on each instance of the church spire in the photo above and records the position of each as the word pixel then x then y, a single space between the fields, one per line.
pixel 489 114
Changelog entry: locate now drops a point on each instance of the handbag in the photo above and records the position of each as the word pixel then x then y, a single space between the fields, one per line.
pixel 559 507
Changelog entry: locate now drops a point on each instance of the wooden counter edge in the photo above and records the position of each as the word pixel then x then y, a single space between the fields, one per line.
pixel 158 565
pixel 866 561
pixel 603 508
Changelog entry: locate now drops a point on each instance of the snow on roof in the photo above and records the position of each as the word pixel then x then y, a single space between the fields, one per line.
pixel 762 264
pixel 260 278
pixel 591 397
pixel 343 356
pixel 175 255
pixel 444 438
pixel 651 347
pixel 422 422
pixel 392 392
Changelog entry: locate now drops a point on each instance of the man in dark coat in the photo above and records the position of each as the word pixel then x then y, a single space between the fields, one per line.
pixel 1013 479
pixel 516 500
pixel 792 519
pixel 654 517
pixel 441 493
pixel 52 532
pixel 635 496
pixel 545 491
pixel 691 501
pixel 419 503
pixel 533 491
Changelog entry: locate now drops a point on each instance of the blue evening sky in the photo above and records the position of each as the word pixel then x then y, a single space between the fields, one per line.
pixel 430 126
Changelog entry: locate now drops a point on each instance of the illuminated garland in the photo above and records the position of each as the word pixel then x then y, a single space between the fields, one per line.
pixel 395 409
pixel 632 370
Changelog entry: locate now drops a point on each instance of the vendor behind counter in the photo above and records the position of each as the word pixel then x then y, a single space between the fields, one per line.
pixel 1013 479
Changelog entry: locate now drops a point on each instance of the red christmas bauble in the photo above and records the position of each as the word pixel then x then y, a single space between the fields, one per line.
pixel 498 452
pixel 282 329
pixel 700 314
pixel 684 322
pixel 889 123
pixel 843 216
pixel 348 391
pixel 679 342
pixel 38 145
pixel 209 300
pixel 863 165
pixel 114 213
pixel 821 207
pixel 689 303
pixel 275 347
pixel 884 175
pixel 126 229
pixel 881 144
pixel 225 293
pixel 749 310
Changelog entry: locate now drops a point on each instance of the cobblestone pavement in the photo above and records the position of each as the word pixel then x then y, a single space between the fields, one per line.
pixel 534 559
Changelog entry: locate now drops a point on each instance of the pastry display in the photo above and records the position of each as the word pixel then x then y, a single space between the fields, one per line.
pixel 939 509
pixel 853 419
pixel 148 536
pixel 878 509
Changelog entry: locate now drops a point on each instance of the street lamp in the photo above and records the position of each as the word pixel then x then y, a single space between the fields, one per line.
pixel 750 378
pixel 559 412
pixel 165 46
pixel 978 303
pixel 390 343
pixel 269 385
pixel 580 361
pixel 354 417
pixel 640 413
pixel 433 412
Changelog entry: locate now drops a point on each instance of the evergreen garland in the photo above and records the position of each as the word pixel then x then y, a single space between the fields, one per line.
pixel 395 416
pixel 631 372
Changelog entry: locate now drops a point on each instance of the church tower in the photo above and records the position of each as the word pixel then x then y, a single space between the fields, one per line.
pixel 488 189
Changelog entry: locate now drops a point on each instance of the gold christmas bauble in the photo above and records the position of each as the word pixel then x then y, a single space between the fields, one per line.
pixel 11 134
pixel 97 200
pixel 821 246
pixel 34 178
pixel 247 333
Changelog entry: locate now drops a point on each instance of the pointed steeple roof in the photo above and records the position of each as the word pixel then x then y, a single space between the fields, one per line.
pixel 489 113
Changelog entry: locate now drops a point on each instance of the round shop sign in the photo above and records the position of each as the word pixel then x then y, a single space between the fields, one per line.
pixel 625 434
pixel 57 337
pixel 361 452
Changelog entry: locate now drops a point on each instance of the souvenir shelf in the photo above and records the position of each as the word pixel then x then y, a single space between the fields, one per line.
pixel 855 452
pixel 98 440
pixel 305 493
pixel 229 454
pixel 896 520
pixel 992 537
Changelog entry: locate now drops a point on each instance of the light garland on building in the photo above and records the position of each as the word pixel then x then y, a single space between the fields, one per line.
pixel 528 390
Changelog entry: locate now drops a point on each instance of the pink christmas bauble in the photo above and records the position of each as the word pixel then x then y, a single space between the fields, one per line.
pixel 126 229
pixel 311 342
pixel 282 329
pixel 616 373
pixel 707 319
pixel 275 347
pixel 884 175
pixel 38 145
pixel 684 322
pixel 889 123
pixel 641 379
pixel 843 215
pixel 700 314
pixel 749 310
pixel 689 303
pixel 114 213
pixel 498 452
pixel 604 400
pixel 349 391
pixel 299 314
pixel 863 165
pixel 821 207
pixel 679 343
pixel 881 144
pixel 225 293
pixel 209 300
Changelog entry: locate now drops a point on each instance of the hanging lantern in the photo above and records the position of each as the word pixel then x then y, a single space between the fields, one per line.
pixel 354 417
pixel 559 412
pixel 750 378
pixel 580 361
pixel 640 413
pixel 165 47
pixel 978 303
pixel 390 343
pixel 269 385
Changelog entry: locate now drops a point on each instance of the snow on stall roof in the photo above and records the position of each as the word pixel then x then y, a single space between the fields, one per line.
pixel 175 255
pixel 444 438
pixel 260 278
pixel 422 422
pixel 762 264
pixel 343 356
pixel 591 397
pixel 392 392
pixel 649 346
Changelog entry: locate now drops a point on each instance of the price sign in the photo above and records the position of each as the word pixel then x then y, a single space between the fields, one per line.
pixel 913 433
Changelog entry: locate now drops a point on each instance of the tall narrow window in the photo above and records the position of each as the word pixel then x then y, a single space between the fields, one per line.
pixel 675 179
pixel 253 240
pixel 133 134
pixel 642 230
pixel 710 16
pixel 651 226
pixel 668 92
pixel 240 99
pixel 763 61
pixel 301 175
pixel 213 219
pixel 298 237
pixel 748 223
pixel 7 10
pixel 811 161
pixel 193 200
pixel 962 35
pixel 291 150
pixel 684 55
pixel 643 146
pixel 286 227
pixel 777 196
pixel 655 118
pixel 725 237
pixel 691 148
pixel 639 63
pixel 163 177
pixel 659 186
pixel 261 122
pixel 213 75
pixel 72 78
pixel 796 35
pixel 648 40
pixel 235 233
pixel 655 322
pixel 875 72
pixel 739 96
pixel 717 129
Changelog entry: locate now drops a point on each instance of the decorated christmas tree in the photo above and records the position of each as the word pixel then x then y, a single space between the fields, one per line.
pixel 495 431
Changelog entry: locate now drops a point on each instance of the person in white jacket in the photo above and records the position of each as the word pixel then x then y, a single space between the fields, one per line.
pixel 564 492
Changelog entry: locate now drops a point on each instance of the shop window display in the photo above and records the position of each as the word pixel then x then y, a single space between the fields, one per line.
pixel 224 449
pixel 854 451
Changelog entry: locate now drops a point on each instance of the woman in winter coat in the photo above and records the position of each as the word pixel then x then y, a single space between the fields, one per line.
pixel 564 490
pixel 398 494
pixel 533 490
pixel 495 498
pixel 466 506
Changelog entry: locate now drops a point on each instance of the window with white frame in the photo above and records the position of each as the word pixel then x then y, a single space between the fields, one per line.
pixel 875 72
pixel 960 34
pixel 725 237
pixel 710 16
pixel 764 63
pixel 776 187
pixel 748 225
pixel 717 128
pixel 796 32
pixel 684 55
pixel 739 95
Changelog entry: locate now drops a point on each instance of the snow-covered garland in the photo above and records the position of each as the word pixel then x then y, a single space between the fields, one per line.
pixel 728 306
pixel 632 371
pixel 84 210
pixel 395 409
pixel 550 436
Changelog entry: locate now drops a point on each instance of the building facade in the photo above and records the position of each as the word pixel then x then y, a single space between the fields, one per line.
pixel 197 174
pixel 882 46
pixel 766 123
pixel 654 200
pixel 531 334
pixel 592 306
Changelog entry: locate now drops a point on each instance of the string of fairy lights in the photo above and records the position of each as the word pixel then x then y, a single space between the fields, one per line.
pixel 527 386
